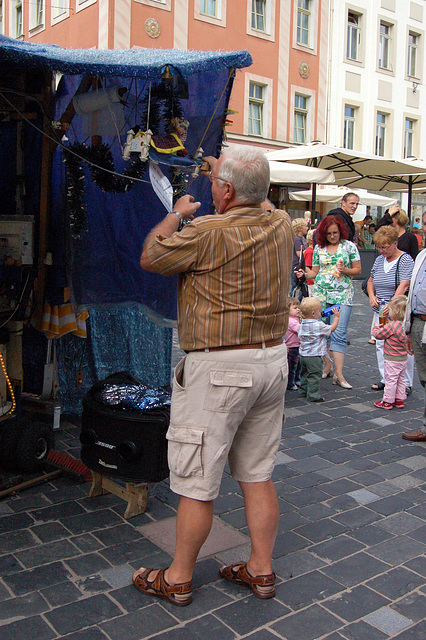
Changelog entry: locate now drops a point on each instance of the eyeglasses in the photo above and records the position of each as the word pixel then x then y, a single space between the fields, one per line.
pixel 383 248
pixel 213 178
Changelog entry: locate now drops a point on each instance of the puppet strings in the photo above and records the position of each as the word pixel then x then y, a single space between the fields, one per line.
pixel 231 73
pixel 89 162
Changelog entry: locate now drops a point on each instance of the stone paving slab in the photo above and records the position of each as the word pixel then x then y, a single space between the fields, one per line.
pixel 349 555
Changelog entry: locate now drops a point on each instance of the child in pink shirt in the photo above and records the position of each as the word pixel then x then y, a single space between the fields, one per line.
pixel 395 354
pixel 293 343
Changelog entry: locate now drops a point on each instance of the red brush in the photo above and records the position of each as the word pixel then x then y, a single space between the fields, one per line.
pixel 69 464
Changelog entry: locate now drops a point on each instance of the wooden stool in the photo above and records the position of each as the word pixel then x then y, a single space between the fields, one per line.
pixel 136 494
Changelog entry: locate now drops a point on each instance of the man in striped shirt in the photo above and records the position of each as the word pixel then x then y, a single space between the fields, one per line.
pixel 228 392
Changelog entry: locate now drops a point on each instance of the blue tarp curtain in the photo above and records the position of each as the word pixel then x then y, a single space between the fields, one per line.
pixel 103 264
pixel 103 267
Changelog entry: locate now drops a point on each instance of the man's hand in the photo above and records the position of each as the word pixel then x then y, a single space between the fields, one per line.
pixel 187 207
pixel 211 161
pixel 409 345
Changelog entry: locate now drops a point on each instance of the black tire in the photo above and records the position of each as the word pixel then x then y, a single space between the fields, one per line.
pixel 33 446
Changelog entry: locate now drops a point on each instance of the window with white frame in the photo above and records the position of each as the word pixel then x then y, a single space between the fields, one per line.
pixel 158 4
pixel 304 14
pixel 256 109
pixel 36 16
pixel 349 127
pixel 209 7
pixel 353 36
pixel 381 122
pixel 385 45
pixel 258 15
pixel 413 48
pixel 409 137
pixel 83 4
pixel 59 8
pixel 301 104
pixel 18 18
pixel 211 11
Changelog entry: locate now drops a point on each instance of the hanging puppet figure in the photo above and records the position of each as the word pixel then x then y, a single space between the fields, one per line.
pixel 174 141
pixel 139 141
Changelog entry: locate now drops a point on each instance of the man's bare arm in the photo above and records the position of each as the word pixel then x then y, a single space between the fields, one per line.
pixel 186 207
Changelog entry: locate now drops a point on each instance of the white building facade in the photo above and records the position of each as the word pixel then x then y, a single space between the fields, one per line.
pixel 376 78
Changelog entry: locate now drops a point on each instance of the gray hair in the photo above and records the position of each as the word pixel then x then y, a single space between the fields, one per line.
pixel 247 169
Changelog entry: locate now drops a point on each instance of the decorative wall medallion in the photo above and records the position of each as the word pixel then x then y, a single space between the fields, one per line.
pixel 152 27
pixel 304 69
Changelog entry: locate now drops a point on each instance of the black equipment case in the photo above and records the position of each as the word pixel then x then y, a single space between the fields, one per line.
pixel 128 445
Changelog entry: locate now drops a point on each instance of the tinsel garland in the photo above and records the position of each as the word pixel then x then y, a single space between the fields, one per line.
pixel 101 164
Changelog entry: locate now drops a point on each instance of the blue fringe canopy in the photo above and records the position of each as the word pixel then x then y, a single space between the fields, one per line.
pixel 124 63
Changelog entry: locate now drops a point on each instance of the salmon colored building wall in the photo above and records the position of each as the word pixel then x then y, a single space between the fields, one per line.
pixel 178 24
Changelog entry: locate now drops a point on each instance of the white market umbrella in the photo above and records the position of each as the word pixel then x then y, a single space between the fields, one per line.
pixel 287 173
pixel 355 168
pixel 335 194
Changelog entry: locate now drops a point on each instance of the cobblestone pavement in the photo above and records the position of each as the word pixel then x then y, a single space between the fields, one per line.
pixel 350 551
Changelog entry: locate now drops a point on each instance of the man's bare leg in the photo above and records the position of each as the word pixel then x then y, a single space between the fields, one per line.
pixel 193 524
pixel 262 513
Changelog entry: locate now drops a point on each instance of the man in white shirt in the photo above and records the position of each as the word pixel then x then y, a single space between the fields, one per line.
pixel 415 328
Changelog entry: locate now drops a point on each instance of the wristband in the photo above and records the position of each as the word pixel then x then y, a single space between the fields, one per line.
pixel 181 220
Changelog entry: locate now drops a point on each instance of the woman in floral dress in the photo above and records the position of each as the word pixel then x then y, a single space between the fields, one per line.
pixel 334 263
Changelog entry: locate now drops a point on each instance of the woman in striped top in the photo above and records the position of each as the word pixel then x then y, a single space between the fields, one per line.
pixel 390 275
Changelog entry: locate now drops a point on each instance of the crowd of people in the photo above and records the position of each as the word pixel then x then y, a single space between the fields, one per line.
pixel 247 342
pixel 329 268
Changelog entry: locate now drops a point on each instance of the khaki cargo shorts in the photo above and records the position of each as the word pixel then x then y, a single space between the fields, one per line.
pixel 225 405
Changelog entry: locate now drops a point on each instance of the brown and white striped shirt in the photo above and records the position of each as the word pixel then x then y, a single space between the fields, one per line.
pixel 234 276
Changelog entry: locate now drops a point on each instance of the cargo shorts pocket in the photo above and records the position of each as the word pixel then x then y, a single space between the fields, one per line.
pixel 179 375
pixel 185 451
pixel 228 390
pixel 178 409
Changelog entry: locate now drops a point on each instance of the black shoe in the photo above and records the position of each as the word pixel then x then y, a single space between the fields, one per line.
pixel 408 391
pixel 378 386
pixel 317 400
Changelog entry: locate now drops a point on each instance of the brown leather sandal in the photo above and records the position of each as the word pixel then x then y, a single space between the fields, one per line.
pixel 178 594
pixel 262 586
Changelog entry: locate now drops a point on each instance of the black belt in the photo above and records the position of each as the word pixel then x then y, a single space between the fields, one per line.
pixel 419 315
